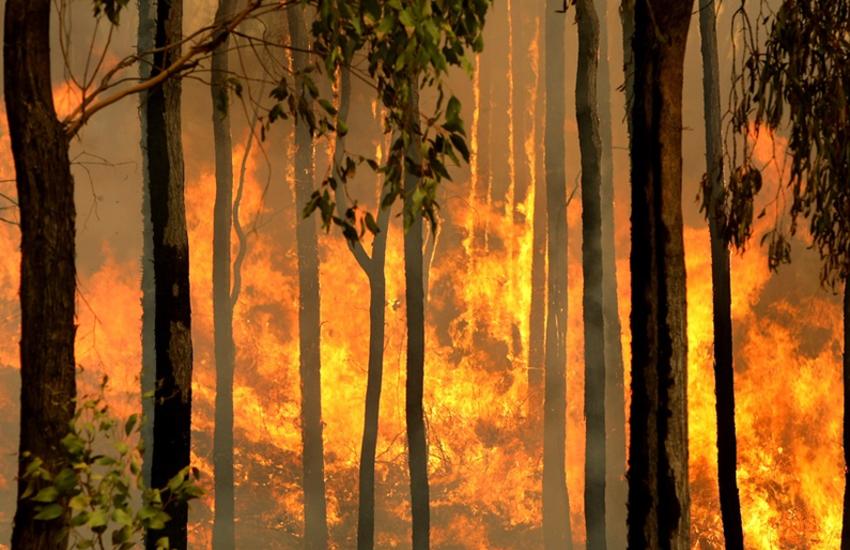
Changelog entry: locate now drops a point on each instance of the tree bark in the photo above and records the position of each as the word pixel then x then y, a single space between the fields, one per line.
pixel 415 302
pixel 224 537
pixel 658 459
pixel 594 325
pixel 627 18
pixel 146 38
pixel 537 309
pixel 309 319
pixel 724 374
pixel 845 523
pixel 47 216
pixel 556 505
pixel 615 403
pixel 173 339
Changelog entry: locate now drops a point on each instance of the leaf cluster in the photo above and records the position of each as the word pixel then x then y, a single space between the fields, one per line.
pixel 98 490
pixel 403 45
pixel 798 82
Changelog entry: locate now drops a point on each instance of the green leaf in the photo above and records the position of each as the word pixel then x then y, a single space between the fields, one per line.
pixel 130 424
pixel 47 494
pixel 49 512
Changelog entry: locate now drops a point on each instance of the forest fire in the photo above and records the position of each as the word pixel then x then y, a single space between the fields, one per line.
pixel 485 448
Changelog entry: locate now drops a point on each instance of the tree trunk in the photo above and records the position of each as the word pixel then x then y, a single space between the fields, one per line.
pixel 415 303
pixel 537 309
pixel 223 528
pixel 594 326
pixel 147 35
pixel 615 404
pixel 481 235
pixel 47 216
pixel 522 23
pixel 173 338
pixel 373 267
pixel 845 524
pixel 556 505
pixel 309 319
pixel 724 374
pixel 658 460
pixel 627 18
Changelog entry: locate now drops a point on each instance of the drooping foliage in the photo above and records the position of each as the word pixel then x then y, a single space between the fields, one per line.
pixel 399 39
pixel 796 82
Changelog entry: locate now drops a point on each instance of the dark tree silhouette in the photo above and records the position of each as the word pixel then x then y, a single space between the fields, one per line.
pixel 172 325
pixel 658 452
pixel 724 375
pixel 47 218
pixel 587 116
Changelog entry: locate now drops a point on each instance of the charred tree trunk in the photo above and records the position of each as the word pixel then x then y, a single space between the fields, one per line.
pixel 224 537
pixel 47 215
pixel 556 504
pixel 590 142
pixel 172 325
pixel 147 35
pixel 615 403
pixel 415 303
pixel 658 459
pixel 845 523
pixel 724 374
pixel 315 507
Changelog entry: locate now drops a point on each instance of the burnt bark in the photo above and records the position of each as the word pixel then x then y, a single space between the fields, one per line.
pixel 172 324
pixel 415 303
pixel 556 506
pixel 724 374
pixel 146 37
pixel 309 318
pixel 537 309
pixel 47 216
pixel 224 537
pixel 658 460
pixel 845 520
pixel 590 143
pixel 615 403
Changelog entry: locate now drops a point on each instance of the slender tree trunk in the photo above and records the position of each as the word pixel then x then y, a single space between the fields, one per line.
pixel 377 311
pixel 659 502
pixel 724 374
pixel 147 35
pixel 627 18
pixel 47 216
pixel 522 22
pixel 485 140
pixel 615 403
pixel 224 537
pixel 415 303
pixel 556 505
pixel 537 309
pixel 845 524
pixel 173 338
pixel 373 267
pixel 594 325
pixel 315 507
